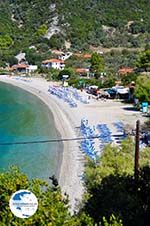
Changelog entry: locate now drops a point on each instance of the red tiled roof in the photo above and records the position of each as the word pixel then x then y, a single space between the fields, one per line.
pixel 82 55
pixel 52 61
pixel 87 55
pixel 82 70
pixel 125 70
pixel 17 66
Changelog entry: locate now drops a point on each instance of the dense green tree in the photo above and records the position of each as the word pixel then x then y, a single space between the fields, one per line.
pixel 111 187
pixel 56 41
pixel 11 60
pixel 142 89
pixel 53 74
pixel 147 46
pixel 122 196
pixel 43 70
pixel 67 71
pixel 33 57
pixel 7 57
pixel 43 47
pixel 109 81
pixel 52 207
pixel 143 192
pixel 130 77
pixel 144 60
pixel 42 30
pixel 97 64
pixel 137 27
pixel 5 41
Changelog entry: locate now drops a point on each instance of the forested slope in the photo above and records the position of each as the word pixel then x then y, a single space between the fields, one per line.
pixel 83 23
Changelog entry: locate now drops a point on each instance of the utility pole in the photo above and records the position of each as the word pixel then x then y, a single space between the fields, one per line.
pixel 137 150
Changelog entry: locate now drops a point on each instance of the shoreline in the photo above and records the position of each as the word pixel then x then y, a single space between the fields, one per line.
pixel 59 136
pixel 67 121
pixel 66 170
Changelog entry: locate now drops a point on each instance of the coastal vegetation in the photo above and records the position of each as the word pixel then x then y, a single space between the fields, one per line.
pixel 111 186
pixel 142 90
pixel 111 193
pixel 53 208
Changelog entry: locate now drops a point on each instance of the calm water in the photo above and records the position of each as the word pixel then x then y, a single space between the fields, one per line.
pixel 23 117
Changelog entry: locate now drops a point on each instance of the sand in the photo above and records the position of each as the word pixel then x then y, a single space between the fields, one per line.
pixel 67 121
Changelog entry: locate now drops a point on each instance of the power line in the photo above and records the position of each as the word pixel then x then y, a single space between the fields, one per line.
pixel 47 141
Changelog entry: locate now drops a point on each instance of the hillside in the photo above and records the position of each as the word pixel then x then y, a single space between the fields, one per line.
pixel 82 23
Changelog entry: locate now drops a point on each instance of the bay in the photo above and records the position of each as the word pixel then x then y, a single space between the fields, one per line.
pixel 24 117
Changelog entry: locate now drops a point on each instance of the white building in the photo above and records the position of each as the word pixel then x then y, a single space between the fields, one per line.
pixel 23 68
pixel 32 68
pixel 54 63
pixel 65 56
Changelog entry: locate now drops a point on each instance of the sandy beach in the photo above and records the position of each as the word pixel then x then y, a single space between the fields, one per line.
pixel 67 121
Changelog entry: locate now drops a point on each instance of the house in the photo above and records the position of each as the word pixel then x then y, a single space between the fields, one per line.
pixel 65 56
pixel 83 72
pixel 23 68
pixel 125 70
pixel 53 63
pixel 61 55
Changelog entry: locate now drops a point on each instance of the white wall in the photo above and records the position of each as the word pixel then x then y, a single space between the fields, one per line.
pixel 55 65
pixel 32 68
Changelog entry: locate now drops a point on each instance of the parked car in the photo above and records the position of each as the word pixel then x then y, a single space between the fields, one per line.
pixel 146 138
pixel 111 92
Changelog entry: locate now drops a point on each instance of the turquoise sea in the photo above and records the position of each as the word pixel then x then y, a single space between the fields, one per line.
pixel 23 117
